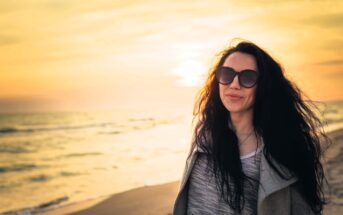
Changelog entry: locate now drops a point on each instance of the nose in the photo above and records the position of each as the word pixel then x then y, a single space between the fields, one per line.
pixel 235 83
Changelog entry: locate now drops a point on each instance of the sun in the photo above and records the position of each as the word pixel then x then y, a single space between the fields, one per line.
pixel 190 73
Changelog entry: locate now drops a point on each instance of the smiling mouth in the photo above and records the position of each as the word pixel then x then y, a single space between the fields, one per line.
pixel 234 97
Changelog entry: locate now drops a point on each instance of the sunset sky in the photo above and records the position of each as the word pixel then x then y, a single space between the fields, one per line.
pixel 77 55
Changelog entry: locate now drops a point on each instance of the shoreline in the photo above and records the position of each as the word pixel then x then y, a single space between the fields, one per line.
pixel 153 198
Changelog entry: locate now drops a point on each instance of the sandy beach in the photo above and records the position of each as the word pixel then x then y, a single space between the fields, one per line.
pixel 159 199
pixel 156 199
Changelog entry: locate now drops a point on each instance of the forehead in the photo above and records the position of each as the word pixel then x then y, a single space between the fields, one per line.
pixel 240 61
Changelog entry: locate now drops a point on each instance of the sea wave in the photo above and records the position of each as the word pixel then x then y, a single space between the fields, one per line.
pixel 104 127
pixel 35 209
pixel 17 168
pixel 9 130
pixel 14 149
pixel 81 154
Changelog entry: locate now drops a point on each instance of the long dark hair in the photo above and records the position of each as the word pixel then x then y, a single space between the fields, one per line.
pixel 290 129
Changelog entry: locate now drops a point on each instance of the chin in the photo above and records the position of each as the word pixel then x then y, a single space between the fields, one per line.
pixel 236 109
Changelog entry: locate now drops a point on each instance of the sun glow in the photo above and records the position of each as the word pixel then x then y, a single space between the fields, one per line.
pixel 190 73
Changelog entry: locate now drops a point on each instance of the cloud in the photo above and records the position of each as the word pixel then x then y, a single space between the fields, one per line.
pixel 7 6
pixel 7 40
pixel 335 75
pixel 23 104
pixel 330 62
pixel 326 20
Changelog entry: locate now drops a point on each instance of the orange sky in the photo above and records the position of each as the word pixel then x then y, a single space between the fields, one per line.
pixel 106 55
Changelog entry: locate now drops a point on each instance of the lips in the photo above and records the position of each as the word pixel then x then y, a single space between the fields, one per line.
pixel 234 96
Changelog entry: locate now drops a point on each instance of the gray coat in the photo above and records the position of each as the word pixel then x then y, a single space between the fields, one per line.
pixel 275 195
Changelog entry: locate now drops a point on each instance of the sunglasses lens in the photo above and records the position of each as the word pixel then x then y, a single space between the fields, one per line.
pixel 248 78
pixel 225 75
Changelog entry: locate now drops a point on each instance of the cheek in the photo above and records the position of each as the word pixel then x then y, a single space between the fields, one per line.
pixel 251 95
pixel 221 91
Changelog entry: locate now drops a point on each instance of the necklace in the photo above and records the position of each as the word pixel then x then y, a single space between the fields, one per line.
pixel 245 139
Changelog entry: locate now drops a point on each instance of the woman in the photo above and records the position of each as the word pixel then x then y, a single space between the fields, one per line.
pixel 255 147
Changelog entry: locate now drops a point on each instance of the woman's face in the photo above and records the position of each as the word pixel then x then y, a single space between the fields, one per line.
pixel 235 98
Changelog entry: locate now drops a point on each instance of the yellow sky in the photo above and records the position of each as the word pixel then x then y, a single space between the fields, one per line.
pixel 93 55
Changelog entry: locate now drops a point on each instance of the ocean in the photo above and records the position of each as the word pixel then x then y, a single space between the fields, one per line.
pixel 53 159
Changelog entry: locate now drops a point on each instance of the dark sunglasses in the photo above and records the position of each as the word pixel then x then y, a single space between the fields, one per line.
pixel 247 78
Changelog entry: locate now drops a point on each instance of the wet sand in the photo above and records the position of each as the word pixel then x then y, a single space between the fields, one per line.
pixel 334 173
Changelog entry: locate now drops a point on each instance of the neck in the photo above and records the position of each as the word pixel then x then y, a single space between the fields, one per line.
pixel 241 123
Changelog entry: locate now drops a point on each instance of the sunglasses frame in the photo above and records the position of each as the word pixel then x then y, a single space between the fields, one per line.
pixel 238 74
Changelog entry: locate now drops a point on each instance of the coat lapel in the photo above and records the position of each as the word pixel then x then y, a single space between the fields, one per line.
pixel 189 166
pixel 270 181
pixel 180 205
